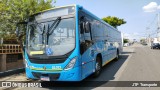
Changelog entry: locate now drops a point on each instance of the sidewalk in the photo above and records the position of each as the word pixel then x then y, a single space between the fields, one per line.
pixel 15 77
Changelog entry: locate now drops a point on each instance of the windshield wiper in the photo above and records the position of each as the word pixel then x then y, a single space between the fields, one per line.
pixel 53 27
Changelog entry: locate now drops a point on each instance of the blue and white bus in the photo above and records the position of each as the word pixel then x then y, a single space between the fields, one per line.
pixel 68 44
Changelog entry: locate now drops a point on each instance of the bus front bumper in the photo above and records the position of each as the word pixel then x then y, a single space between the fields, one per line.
pixel 64 75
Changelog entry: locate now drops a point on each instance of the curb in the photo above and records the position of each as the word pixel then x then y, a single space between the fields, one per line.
pixel 11 72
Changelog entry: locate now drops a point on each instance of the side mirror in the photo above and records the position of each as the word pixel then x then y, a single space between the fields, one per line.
pixel 87 27
pixel 82 27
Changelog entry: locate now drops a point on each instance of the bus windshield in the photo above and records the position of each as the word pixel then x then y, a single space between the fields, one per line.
pixel 51 38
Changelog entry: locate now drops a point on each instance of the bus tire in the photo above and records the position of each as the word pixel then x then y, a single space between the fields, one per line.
pixel 117 56
pixel 98 67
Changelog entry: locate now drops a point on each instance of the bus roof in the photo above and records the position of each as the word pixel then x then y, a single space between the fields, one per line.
pixel 54 8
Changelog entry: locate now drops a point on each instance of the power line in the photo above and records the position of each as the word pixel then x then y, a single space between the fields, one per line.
pixel 152 23
pixel 151 29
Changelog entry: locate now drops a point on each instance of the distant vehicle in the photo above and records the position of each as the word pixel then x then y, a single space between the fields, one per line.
pixel 155 46
pixel 145 44
pixel 126 44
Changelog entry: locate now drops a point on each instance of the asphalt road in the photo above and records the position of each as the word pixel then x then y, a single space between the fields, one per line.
pixel 137 63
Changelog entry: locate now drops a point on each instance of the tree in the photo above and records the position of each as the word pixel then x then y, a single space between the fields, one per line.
pixel 13 11
pixel 114 21
pixel 125 40
pixel 143 40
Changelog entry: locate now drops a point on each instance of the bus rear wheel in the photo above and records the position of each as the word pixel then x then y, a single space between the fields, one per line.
pixel 98 67
pixel 117 56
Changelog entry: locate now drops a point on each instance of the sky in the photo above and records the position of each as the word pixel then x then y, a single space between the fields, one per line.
pixel 139 14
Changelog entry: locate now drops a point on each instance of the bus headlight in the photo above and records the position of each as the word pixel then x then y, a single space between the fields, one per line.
pixel 71 64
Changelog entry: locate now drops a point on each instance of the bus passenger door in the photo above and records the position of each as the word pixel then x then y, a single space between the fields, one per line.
pixel 87 59
pixel 87 52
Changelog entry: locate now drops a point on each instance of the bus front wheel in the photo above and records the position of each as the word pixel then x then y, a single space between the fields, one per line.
pixel 98 67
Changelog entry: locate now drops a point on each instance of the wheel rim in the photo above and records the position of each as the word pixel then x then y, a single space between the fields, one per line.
pixel 98 67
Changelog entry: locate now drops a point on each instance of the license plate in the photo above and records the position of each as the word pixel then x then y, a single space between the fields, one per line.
pixel 45 78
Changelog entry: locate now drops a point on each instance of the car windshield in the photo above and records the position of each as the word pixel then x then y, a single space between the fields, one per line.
pixel 52 38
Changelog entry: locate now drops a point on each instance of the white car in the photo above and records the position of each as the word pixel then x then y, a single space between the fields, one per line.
pixel 126 44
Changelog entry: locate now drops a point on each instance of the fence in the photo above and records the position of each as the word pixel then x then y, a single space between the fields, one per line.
pixel 10 49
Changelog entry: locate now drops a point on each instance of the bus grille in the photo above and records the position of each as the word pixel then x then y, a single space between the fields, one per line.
pixel 47 61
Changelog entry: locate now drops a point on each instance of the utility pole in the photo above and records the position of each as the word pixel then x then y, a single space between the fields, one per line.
pixel 148 36
pixel 158 28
